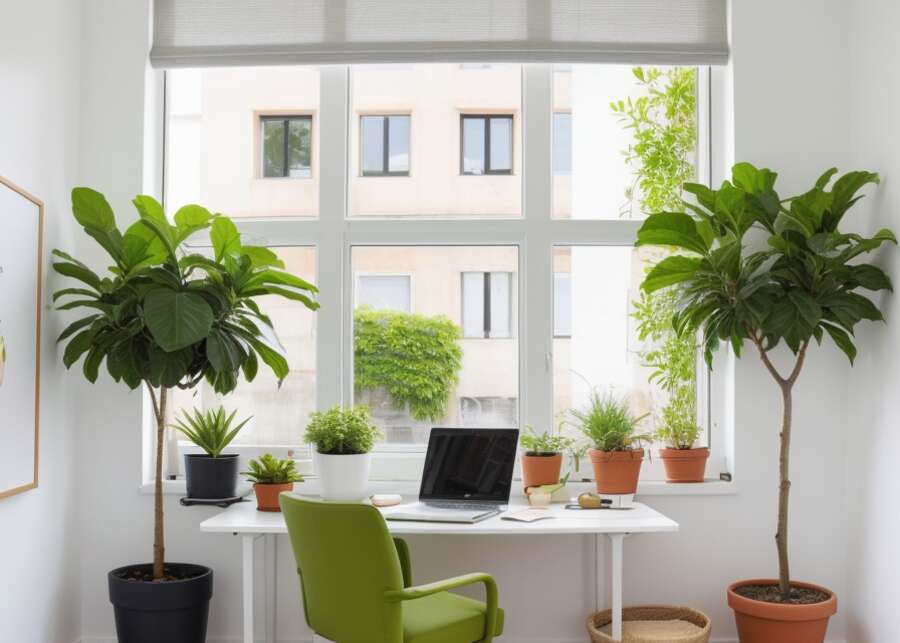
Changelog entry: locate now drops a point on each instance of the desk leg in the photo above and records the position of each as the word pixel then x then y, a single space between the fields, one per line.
pixel 271 554
pixel 616 540
pixel 247 548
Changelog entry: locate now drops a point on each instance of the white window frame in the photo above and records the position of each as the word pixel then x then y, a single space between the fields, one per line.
pixel 334 233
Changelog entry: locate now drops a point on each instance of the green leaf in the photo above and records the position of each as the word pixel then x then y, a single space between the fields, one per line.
pixel 76 271
pixel 262 257
pixel 74 291
pixel 92 210
pixel 842 339
pixel 177 319
pixel 142 245
pixel 222 351
pixel 669 271
pixel 77 346
pixel 76 326
pixel 822 181
pixel 672 229
pixel 168 368
pixel 752 180
pixel 870 277
pixel 190 219
pixel 225 238
pixel 806 306
pixel 154 218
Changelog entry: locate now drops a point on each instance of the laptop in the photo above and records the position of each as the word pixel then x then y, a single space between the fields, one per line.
pixel 467 476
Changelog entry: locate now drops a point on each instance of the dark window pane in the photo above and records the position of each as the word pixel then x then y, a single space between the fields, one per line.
pixel 501 144
pixel 398 144
pixel 473 145
pixel 273 147
pixel 299 147
pixel 372 144
pixel 562 143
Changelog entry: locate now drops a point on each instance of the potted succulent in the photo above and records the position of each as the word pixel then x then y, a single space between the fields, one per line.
pixel 270 476
pixel 616 454
pixel 343 439
pixel 212 474
pixel 542 457
pixel 682 461
pixel 797 289
pixel 164 316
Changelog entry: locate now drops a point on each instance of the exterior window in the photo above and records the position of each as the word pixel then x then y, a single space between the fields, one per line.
pixel 390 292
pixel 286 146
pixel 487 144
pixel 562 143
pixel 562 304
pixel 487 304
pixel 385 145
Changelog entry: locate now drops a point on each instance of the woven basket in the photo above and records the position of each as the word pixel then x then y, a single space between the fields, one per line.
pixel 651 613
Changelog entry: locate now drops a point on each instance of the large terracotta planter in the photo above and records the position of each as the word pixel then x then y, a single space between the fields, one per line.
pixel 684 465
pixel 540 469
pixel 616 472
pixel 267 495
pixel 761 622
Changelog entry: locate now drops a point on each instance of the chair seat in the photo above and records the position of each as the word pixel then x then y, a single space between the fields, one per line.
pixel 445 618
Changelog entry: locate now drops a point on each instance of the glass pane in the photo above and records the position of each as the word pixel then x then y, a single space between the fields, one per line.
pixel 473 145
pixel 562 143
pixel 473 304
pixel 432 98
pixel 562 304
pixel 372 143
pixel 273 148
pixel 224 156
pixel 500 304
pixel 415 370
pixel 299 147
pixel 390 292
pixel 501 144
pixel 633 135
pixel 278 414
pixel 398 144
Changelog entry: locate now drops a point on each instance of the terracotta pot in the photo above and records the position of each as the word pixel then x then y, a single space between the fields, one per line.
pixel 684 465
pixel 616 472
pixel 760 622
pixel 540 469
pixel 267 495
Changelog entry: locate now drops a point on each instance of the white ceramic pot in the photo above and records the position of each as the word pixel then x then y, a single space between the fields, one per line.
pixel 344 477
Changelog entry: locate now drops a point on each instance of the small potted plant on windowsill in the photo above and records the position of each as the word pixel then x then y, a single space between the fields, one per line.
pixel 608 422
pixel 270 476
pixel 343 439
pixel 542 457
pixel 682 461
pixel 212 474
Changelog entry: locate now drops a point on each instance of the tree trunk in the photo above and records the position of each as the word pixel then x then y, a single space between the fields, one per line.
pixel 159 546
pixel 784 491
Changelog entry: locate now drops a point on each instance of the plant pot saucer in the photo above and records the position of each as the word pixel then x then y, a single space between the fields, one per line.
pixel 216 502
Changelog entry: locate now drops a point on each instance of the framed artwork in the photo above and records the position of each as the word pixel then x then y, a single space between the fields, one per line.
pixel 21 261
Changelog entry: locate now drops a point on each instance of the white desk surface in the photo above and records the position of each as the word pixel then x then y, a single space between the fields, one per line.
pixel 243 518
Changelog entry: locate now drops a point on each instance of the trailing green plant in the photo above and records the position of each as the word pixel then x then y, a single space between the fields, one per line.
pixel 164 315
pixel 608 422
pixel 415 358
pixel 339 431
pixel 210 430
pixel 270 470
pixel 544 444
pixel 801 287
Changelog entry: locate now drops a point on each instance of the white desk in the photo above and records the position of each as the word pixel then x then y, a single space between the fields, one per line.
pixel 243 519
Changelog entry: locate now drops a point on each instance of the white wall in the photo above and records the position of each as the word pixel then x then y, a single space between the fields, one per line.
pixel 39 544
pixel 790 112
pixel 873 439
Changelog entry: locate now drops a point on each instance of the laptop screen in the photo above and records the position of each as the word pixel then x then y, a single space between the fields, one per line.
pixel 469 464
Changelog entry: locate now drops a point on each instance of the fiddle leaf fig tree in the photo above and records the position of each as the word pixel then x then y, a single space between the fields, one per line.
pixel 802 287
pixel 165 315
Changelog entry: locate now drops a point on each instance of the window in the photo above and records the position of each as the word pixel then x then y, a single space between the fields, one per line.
pixel 286 146
pixel 562 304
pixel 385 145
pixel 388 292
pixel 487 144
pixel 562 143
pixel 486 304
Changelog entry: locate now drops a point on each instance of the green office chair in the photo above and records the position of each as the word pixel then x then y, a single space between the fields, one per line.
pixel 357 584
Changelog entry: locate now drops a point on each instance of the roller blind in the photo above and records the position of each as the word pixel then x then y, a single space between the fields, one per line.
pixel 197 33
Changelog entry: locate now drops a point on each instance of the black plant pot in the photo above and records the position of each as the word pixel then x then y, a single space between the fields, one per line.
pixel 211 478
pixel 171 611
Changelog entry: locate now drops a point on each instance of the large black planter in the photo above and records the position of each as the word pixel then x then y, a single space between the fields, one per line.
pixel 211 478
pixel 170 611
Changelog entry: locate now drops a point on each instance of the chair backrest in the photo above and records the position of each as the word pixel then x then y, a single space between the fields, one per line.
pixel 346 560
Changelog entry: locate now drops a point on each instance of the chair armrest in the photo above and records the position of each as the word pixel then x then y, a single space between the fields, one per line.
pixel 490 589
pixel 403 555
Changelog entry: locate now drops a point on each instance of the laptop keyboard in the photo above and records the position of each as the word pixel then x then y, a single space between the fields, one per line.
pixel 462 506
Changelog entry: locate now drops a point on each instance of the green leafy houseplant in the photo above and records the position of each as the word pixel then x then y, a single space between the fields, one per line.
pixel 608 422
pixel 415 358
pixel 798 289
pixel 270 470
pixel 544 444
pixel 210 430
pixel 340 431
pixel 165 316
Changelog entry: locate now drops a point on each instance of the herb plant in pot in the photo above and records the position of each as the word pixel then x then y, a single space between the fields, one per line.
pixel 270 476
pixel 343 439
pixel 164 316
pixel 211 475
pixel 542 457
pixel 798 289
pixel 608 422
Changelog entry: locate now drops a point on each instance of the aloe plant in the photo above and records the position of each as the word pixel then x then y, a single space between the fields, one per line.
pixel 165 315
pixel 211 431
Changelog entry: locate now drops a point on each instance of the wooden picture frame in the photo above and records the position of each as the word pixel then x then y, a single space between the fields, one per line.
pixel 21 279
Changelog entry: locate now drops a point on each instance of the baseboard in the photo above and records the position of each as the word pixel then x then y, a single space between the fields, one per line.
pixel 103 639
